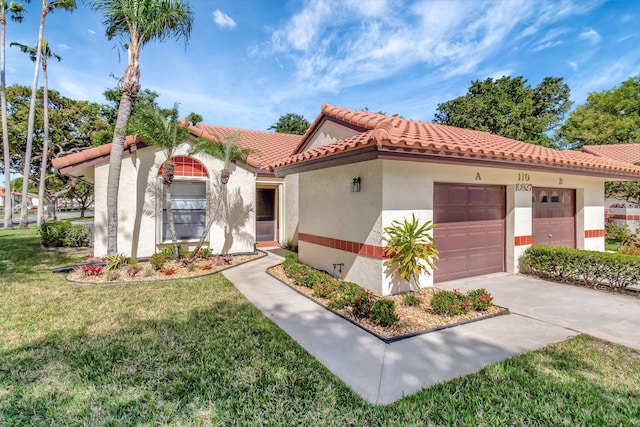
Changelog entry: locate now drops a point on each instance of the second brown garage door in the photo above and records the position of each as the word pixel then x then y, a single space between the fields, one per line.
pixel 470 230
pixel 554 216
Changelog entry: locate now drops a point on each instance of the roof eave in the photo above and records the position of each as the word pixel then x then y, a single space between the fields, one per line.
pixel 442 157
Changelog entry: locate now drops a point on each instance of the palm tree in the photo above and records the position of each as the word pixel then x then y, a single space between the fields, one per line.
pixel 47 7
pixel 136 22
pixel 46 53
pixel 162 128
pixel 228 151
pixel 16 10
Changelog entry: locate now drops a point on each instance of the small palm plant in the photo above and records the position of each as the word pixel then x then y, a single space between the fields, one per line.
pixel 162 128
pixel 227 151
pixel 410 248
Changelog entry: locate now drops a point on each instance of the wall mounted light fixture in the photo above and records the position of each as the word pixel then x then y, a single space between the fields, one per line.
pixel 355 185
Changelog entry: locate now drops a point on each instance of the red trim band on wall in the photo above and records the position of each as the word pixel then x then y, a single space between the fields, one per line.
pixel 594 233
pixel 363 249
pixel 524 240
pixel 625 217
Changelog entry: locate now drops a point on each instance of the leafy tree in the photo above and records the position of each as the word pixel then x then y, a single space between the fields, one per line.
pixel 228 151
pixel 162 128
pixel 81 192
pixel 194 119
pixel 73 124
pixel 47 7
pixel 136 23
pixel 608 117
pixel 46 53
pixel 510 108
pixel 15 11
pixel 291 123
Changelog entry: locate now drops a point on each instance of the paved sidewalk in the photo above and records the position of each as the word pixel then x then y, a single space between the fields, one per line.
pixel 383 373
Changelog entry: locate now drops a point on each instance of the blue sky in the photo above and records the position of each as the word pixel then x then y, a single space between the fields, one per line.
pixel 249 62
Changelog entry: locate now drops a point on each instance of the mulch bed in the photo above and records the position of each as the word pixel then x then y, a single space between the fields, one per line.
pixel 413 320
pixel 200 268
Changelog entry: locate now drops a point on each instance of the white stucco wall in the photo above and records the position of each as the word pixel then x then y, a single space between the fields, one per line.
pixel 393 190
pixel 138 216
pixel 329 208
pixel 291 207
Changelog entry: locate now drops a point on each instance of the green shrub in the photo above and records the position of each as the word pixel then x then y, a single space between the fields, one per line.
pixel 617 232
pixel 480 299
pixel 450 303
pixel 630 247
pixel 410 248
pixel 410 300
pixel 325 288
pixel 383 312
pixel 55 234
pixel 116 261
pixel 588 268
pixel 77 236
pixel 361 306
pixel 290 245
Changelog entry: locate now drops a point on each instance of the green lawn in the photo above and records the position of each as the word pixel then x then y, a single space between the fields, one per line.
pixel 195 352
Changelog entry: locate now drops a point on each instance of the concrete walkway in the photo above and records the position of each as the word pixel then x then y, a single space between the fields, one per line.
pixel 383 373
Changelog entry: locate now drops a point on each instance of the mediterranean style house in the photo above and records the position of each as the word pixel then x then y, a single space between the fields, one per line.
pixel 335 189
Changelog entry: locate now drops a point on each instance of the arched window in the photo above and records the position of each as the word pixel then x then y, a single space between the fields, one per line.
pixel 187 167
pixel 188 200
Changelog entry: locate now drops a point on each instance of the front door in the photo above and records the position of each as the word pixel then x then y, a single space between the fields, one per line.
pixel 266 223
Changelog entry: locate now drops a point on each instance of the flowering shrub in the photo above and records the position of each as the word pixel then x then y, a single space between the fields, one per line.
pixel 450 303
pixel 325 288
pixel 207 266
pixel 481 300
pixel 383 312
pixel 361 306
pixel 92 270
pixel 168 271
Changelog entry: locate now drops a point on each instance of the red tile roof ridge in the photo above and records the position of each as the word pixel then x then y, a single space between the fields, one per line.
pixel 390 132
pixel 90 153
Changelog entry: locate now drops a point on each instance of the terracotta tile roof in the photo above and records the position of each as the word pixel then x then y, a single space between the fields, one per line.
pixel 627 153
pixel 86 155
pixel 270 146
pixel 399 135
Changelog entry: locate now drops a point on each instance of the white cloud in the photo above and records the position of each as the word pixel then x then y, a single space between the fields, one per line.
pixel 573 65
pixel 90 31
pixel 591 35
pixel 223 20
pixel 336 44
pixel 63 46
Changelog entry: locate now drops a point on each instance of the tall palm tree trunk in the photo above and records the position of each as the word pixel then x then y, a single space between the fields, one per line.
pixel 8 200
pixel 45 144
pixel 130 89
pixel 168 171
pixel 24 219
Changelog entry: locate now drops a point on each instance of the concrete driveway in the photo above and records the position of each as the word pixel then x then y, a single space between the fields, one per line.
pixel 541 314
pixel 611 316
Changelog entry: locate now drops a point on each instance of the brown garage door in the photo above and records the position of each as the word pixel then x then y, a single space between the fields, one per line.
pixel 470 230
pixel 554 216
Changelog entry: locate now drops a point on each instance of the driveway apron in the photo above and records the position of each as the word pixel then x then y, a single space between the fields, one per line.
pixel 610 316
pixel 383 373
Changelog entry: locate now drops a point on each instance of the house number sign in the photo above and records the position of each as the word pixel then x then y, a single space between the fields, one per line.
pixel 523 185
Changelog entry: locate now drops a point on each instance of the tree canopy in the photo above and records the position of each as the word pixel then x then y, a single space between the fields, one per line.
pixel 608 117
pixel 291 123
pixel 510 108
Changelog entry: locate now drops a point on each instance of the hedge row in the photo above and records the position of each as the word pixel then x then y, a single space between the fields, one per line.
pixel 578 266
pixel 55 234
